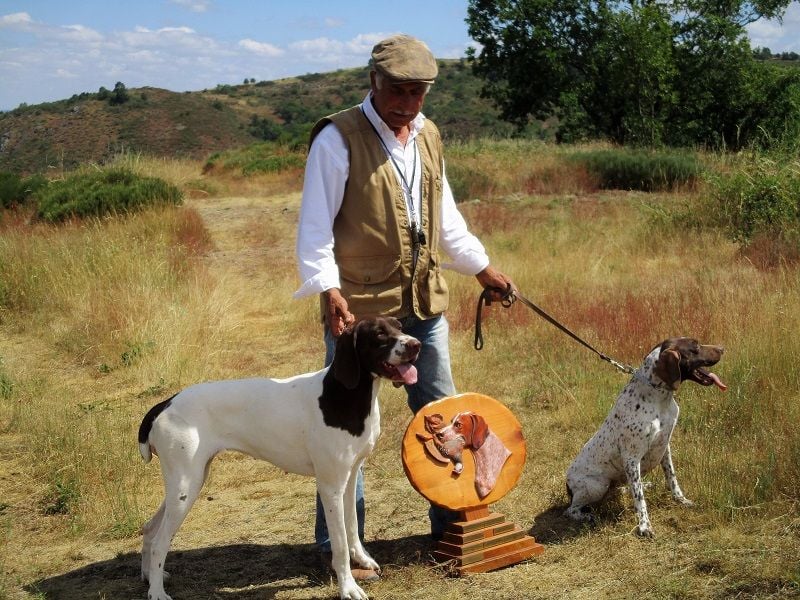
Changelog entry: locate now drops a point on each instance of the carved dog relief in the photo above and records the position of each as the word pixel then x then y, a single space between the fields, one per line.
pixel 445 443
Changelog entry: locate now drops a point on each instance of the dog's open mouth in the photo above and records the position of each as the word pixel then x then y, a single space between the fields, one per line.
pixel 402 374
pixel 704 377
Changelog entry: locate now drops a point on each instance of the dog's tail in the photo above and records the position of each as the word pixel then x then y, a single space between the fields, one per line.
pixel 147 425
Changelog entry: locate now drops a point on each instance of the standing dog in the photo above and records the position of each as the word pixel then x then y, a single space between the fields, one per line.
pixel 635 436
pixel 322 424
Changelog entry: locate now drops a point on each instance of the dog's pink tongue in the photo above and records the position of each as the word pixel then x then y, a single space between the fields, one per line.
pixel 408 373
pixel 718 382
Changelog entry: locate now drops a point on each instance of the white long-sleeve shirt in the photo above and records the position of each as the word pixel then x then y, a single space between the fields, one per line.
pixel 327 170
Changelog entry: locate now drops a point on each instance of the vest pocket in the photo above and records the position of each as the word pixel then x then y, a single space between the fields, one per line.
pixel 434 296
pixel 371 284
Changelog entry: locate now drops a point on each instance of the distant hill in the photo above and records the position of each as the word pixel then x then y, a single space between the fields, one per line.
pixel 89 127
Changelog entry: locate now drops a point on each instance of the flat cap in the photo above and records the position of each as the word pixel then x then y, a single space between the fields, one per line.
pixel 404 58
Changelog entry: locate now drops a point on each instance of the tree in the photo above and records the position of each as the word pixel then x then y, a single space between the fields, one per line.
pixel 119 95
pixel 639 71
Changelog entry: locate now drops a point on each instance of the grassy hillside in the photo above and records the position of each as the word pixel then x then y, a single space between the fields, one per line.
pixel 85 129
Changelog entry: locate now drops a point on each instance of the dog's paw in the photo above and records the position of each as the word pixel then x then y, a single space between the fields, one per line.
pixel 581 514
pixel 683 500
pixel 364 560
pixel 645 531
pixel 349 590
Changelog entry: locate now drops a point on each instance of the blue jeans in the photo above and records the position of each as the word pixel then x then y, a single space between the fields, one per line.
pixel 434 381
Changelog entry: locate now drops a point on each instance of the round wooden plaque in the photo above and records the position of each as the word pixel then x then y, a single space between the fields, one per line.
pixel 437 481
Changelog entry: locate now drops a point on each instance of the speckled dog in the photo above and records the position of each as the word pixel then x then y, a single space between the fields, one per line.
pixel 635 436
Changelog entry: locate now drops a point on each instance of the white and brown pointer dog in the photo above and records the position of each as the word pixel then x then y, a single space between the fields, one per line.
pixel 636 434
pixel 323 424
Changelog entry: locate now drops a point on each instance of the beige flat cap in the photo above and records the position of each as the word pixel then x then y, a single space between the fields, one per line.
pixel 404 58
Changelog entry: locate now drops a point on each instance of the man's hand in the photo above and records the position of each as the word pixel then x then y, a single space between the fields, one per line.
pixel 492 279
pixel 337 316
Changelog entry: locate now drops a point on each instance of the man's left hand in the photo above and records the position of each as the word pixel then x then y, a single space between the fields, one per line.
pixel 495 281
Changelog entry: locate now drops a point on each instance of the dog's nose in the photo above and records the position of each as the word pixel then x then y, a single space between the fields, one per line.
pixel 412 347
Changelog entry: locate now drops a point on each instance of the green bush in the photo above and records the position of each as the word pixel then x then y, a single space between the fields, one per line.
pixel 262 157
pixel 467 183
pixel 760 198
pixel 643 170
pixel 15 190
pixel 99 193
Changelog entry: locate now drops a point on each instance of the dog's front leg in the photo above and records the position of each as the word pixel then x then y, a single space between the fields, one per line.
pixel 358 553
pixel 672 480
pixel 634 475
pixel 332 495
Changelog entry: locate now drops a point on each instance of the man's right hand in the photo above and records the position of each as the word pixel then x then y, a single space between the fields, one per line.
pixel 337 316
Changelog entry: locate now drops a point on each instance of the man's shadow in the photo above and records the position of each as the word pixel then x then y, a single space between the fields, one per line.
pixel 236 572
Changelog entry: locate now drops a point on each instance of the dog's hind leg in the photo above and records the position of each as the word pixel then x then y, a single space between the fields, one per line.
pixel 584 490
pixel 148 530
pixel 672 480
pixel 182 486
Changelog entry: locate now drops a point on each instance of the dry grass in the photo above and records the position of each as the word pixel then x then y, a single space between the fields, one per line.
pixel 101 320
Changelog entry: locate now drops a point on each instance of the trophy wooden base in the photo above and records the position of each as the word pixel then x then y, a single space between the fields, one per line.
pixel 484 541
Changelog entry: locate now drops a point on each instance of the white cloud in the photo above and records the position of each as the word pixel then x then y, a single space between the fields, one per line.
pixel 21 21
pixel 174 39
pixel 261 48
pixel 328 51
pixel 776 36
pixel 78 34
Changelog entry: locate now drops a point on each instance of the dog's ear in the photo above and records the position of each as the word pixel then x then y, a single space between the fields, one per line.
pixel 345 367
pixel 668 367
pixel 434 422
pixel 480 431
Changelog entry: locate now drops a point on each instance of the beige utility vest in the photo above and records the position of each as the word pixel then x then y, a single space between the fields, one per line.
pixel 372 241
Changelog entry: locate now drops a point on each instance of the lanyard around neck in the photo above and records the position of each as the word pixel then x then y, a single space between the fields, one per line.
pixel 407 188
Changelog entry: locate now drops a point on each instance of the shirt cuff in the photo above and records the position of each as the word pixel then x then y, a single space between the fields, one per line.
pixel 316 285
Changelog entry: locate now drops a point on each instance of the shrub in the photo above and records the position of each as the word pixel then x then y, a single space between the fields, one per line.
pixel 640 170
pixel 262 157
pixel 16 190
pixel 467 183
pixel 95 194
pixel 759 199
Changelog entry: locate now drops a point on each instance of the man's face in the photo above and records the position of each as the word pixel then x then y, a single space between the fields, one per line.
pixel 398 103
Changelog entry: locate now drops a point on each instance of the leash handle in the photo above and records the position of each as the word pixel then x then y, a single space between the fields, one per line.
pixel 486 299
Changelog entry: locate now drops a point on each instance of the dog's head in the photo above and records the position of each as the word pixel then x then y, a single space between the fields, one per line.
pixel 466 426
pixel 375 346
pixel 684 359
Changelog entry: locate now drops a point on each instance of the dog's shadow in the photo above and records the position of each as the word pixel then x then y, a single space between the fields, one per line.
pixel 236 572
pixel 552 527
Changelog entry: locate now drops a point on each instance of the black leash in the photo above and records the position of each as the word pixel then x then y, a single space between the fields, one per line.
pixel 509 297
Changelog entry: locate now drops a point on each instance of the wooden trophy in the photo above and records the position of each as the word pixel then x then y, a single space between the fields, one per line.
pixel 463 453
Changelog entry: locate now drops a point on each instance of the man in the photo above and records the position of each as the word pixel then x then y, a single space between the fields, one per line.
pixel 376 213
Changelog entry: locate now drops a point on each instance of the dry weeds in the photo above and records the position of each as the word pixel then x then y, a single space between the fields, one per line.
pixel 108 344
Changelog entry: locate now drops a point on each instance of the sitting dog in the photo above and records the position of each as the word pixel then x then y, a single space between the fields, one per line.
pixel 635 436
pixel 323 424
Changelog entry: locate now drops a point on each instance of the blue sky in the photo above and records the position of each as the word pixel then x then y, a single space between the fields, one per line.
pixel 52 49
